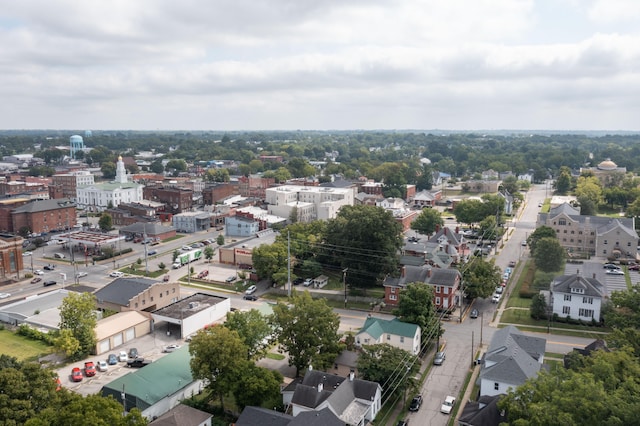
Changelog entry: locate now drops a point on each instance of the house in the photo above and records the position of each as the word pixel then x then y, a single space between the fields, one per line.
pixel 594 235
pixel 511 359
pixel 183 415
pixel 450 242
pixel 136 294
pixel 393 332
pixel 481 186
pixel 445 283
pixel 258 416
pixel 596 345
pixel 484 412
pixel 120 328
pixel 426 198
pixel 354 401
pixel 508 201
pixel 576 296
pixel 408 274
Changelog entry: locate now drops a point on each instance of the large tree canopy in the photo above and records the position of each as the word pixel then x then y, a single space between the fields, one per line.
pixel 77 314
pixel 254 330
pixel 416 307
pixel 392 367
pixel 480 278
pixel 549 255
pixel 427 221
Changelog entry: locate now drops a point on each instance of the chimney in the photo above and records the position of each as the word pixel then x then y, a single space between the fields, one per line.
pixel 403 271
pixel 594 275
pixel 320 387
pixel 310 367
pixel 352 375
pixel 457 229
pixel 429 272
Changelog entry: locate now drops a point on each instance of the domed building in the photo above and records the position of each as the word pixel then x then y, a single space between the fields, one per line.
pixel 605 170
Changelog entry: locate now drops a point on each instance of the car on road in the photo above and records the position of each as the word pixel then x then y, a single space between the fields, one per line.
pixel 610 266
pixel 307 282
pixel 499 289
pixel 4 295
pixel 439 358
pixel 447 405
pixel 203 274
pixel 76 374
pixel 122 357
pixel 250 297
pixel 116 274
pixel 416 402
pixel 252 289
pixel 89 369
pixel 103 366
pixel 474 313
pixel 81 274
pixel 48 283
pixel 230 279
pixel 166 278
pixel 138 363
pixel 615 272
pixel 523 243
pixel 152 252
pixel 36 280
pixel 38 272
pixel 403 423
pixel 26 253
pixel 298 281
pixel 49 267
pixel 112 359
pixel 512 263
pixel 186 248
pixel 508 271
pixel 171 348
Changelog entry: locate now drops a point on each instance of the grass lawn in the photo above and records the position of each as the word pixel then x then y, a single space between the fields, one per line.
pixel 277 357
pixel 20 347
pixel 151 274
pixel 178 236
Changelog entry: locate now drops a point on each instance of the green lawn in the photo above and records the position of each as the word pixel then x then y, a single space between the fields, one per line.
pixel 277 357
pixel 178 236
pixel 20 347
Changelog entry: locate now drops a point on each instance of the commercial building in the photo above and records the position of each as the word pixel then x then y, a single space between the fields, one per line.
pixel 191 221
pixel 42 216
pixel 69 182
pixel 176 199
pixel 308 203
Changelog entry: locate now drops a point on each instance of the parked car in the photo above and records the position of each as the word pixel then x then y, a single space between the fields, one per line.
pixel 447 405
pixel 439 358
pixel 59 255
pixel 122 357
pixel 512 263
pixel 524 243
pixel 112 359
pixel 416 402
pixel 36 280
pixel 76 374
pixel 38 272
pixel 403 423
pixel 307 282
pixel 495 298
pixel 203 274
pixel 166 278
pixel 634 267
pixel 26 253
pixel 133 353
pixel 138 363
pixel 231 279
pixel 252 289
pixel 474 313
pixel 171 348
pixel 116 274
pixel 250 297
pixel 48 283
pixel 499 289
pixel 49 267
pixel 615 272
pixel 4 295
pixel 186 248
pixel 103 366
pixel 610 266
pixel 89 369
pixel 298 281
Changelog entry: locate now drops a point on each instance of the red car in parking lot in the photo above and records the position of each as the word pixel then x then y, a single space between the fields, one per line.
pixel 76 374
pixel 89 369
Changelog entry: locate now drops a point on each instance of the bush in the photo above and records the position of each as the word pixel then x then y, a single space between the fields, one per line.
pixel 110 255
pixel 33 334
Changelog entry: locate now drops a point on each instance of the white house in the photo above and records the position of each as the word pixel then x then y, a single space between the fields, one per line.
pixel 577 297
pixel 511 359
pixel 394 332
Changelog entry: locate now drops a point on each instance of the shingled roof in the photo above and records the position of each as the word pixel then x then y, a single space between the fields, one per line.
pixel 45 205
pixel 121 290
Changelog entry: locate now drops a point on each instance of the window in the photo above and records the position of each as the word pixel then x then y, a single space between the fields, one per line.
pixel 562 222
pixel 445 290
pixel 585 313
pixel 496 386
pixel 388 337
pixel 567 298
pixel 437 301
pixel 437 289
pixel 605 242
pixel 393 290
pixel 136 305
pixel 566 310
pixel 577 290
pixel 152 298
pixel 401 339
pixel 587 300
pixel 393 297
pixel 173 290
pixel 366 341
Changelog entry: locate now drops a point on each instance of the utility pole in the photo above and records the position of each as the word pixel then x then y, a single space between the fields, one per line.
pixel 288 264
pixel 472 354
pixel 144 242
pixel 344 282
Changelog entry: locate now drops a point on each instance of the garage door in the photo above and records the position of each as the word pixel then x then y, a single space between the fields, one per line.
pixel 117 340
pixel 130 334
pixel 103 346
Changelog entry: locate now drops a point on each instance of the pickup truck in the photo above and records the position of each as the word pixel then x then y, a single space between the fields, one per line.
pixel 89 369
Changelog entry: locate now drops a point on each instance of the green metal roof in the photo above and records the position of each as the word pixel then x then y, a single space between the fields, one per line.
pixel 148 385
pixel 375 327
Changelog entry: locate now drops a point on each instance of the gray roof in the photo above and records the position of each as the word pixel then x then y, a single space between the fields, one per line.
pixel 149 228
pixel 323 417
pixel 338 183
pixel 590 286
pixel 258 416
pixel 445 277
pixel 181 415
pixel 121 290
pixel 484 412
pixel 600 223
pixel 412 274
pixel 45 205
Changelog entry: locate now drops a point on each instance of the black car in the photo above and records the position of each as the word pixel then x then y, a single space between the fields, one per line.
pixel 138 363
pixel 416 402
pixel 133 353
pixel 403 423
pixel 48 283
pixel 49 267
pixel 250 297
pixel 298 281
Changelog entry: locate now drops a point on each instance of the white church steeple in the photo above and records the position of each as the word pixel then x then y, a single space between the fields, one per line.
pixel 121 172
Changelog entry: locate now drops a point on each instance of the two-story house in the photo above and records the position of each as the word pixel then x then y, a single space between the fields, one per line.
pixel 445 283
pixel 393 332
pixel 511 359
pixel 577 297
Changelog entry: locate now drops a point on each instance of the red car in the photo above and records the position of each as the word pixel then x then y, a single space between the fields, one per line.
pixel 89 369
pixel 634 267
pixel 76 374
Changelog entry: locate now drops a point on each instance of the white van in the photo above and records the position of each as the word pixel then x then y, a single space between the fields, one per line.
pixel 59 255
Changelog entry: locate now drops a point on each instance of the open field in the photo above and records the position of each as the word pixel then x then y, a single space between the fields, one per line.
pixel 20 347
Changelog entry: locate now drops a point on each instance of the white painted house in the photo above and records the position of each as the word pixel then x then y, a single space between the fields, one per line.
pixel 577 296
pixel 394 332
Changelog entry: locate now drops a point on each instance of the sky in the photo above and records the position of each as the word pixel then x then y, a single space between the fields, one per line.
pixel 320 64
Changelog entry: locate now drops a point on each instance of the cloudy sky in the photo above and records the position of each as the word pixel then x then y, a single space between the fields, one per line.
pixel 320 64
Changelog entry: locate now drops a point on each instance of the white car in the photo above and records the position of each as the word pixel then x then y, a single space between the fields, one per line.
pixel 171 348
pixel 116 274
pixel 447 405
pixel 186 248
pixel 615 272
pixel 4 295
pixel 102 365
pixel 123 357
pixel 81 274
pixel 38 272
pixel 495 298
pixel 252 289
pixel 26 253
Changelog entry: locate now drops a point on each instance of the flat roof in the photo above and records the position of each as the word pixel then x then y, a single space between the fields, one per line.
pixel 111 325
pixel 184 308
pixel 250 243
pixel 90 238
pixel 46 304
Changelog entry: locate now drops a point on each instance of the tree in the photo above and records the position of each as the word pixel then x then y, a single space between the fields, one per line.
pixel 162 266
pixel 108 170
pixel 563 182
pixel 427 221
pixel 156 167
pixel 67 343
pixel 100 154
pixel 52 155
pixel 387 364
pixel 105 222
pixel 364 239
pixel 310 268
pixel 511 184
pixel 469 211
pixel 549 255
pixel 282 174
pixel 589 194
pixel 488 228
pixel 178 165
pixel 217 175
pixel 254 330
pixel 258 387
pixel 214 359
pixel 480 278
pixel 416 307
pixel 623 310
pixel 269 259
pixel 425 179
pixel 220 240
pixel 308 330
pixel 175 255
pixel 77 314
pixel 538 307
pixel 208 253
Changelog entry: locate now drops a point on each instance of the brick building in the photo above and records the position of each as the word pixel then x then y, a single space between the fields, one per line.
pixel 10 256
pixel 177 200
pixel 6 207
pixel 44 216
pixel 255 186
pixel 213 193
pixel 68 182
pixel 130 213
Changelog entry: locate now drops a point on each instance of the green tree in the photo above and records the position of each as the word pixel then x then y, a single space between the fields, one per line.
pixel 538 307
pixel 415 306
pixel 108 170
pixel 217 175
pixel 220 240
pixel 178 165
pixel 427 221
pixel 281 175
pixel 254 330
pixel 100 154
pixel 52 155
pixel 162 266
pixel 589 194
pixel 258 387
pixel 105 222
pixel 310 268
pixel 268 259
pixel 623 310
pixel 387 364
pixel 175 255
pixel 425 178
pixel 156 167
pixel 308 330
pixel 563 182
pixel 540 232
pixel 66 343
pixel 480 278
pixel 511 184
pixel 364 239
pixel 214 359
pixel 77 314
pixel 469 211
pixel 488 228
pixel 549 255
pixel 208 253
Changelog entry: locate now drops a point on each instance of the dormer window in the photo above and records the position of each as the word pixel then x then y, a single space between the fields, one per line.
pixel 577 290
